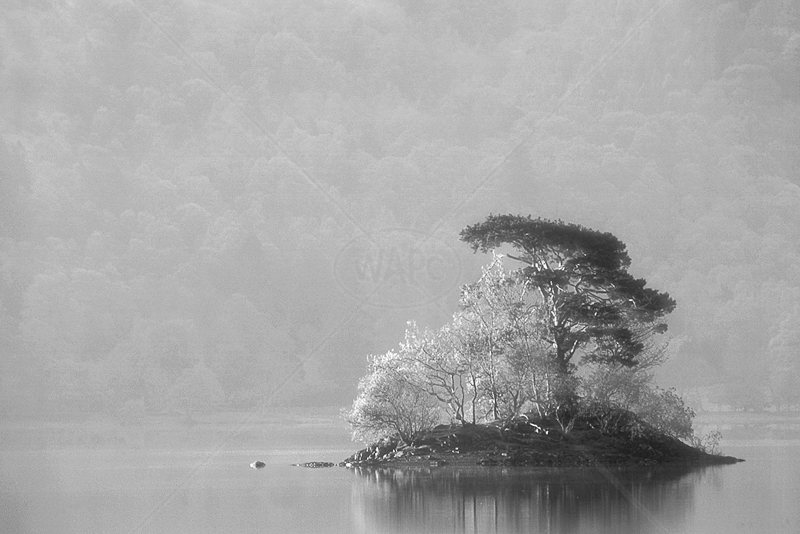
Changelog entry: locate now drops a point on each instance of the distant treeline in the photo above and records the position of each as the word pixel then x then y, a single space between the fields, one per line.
pixel 183 186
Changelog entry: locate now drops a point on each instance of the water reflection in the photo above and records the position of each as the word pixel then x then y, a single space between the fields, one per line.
pixel 497 499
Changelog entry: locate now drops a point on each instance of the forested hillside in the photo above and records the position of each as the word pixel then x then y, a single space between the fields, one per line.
pixel 228 205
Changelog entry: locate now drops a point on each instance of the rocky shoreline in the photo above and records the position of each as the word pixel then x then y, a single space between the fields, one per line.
pixel 532 444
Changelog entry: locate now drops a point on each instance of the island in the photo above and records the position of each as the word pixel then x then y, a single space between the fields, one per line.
pixel 548 364
pixel 535 443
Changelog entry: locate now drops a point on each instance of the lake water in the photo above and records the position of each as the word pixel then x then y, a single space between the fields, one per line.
pixel 212 489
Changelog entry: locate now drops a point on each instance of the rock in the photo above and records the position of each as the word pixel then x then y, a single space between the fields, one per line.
pixel 316 465
pixel 383 450
pixel 258 464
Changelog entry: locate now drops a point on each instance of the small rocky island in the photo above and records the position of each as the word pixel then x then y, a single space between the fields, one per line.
pixel 549 364
pixel 537 443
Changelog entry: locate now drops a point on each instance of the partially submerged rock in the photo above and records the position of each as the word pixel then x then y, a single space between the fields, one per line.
pixel 315 465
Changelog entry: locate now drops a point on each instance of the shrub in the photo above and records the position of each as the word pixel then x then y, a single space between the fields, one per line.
pixel 610 390
pixel 708 443
pixel 666 411
pixel 392 400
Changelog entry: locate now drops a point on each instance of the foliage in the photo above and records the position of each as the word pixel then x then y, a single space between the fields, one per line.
pixel 446 371
pixel 589 305
pixel 492 362
pixel 489 362
pixel 581 275
pixel 188 153
pixel 665 410
pixel 500 319
pixel 391 400
pixel 613 389
pixel 658 409
pixel 708 443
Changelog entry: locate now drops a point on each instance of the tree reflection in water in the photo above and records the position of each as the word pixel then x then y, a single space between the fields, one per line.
pixel 499 499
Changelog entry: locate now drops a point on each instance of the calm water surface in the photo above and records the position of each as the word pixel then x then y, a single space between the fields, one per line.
pixel 197 491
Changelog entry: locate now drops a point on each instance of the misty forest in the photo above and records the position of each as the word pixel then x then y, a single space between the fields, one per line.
pixel 227 206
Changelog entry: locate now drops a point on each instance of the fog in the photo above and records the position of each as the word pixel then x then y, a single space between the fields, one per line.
pixel 212 207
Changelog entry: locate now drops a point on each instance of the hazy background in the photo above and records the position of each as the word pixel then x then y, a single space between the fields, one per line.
pixel 226 206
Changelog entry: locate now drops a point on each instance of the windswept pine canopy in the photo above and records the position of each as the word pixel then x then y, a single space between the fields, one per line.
pixel 594 305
